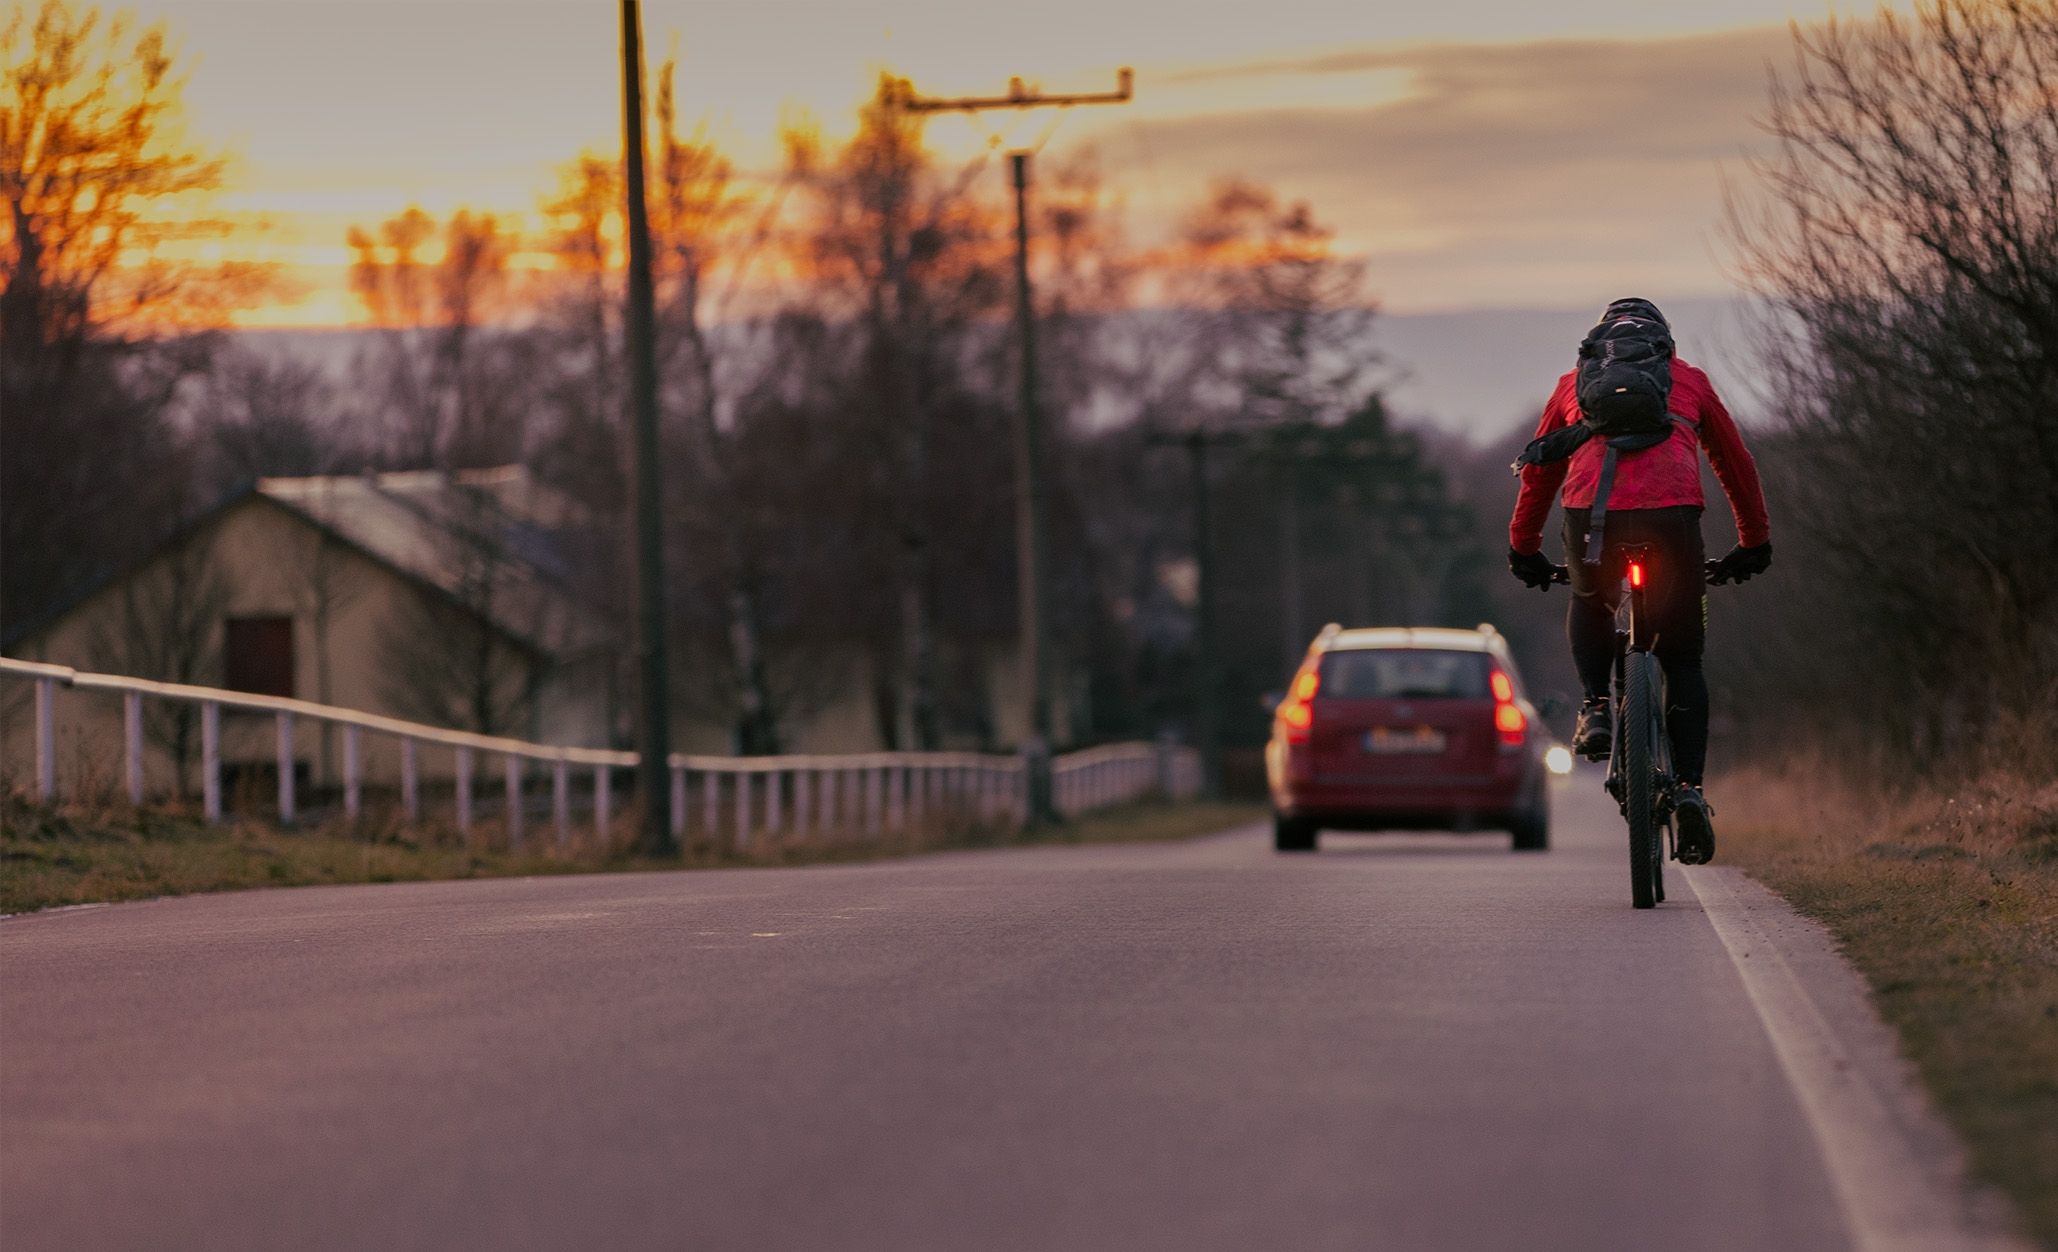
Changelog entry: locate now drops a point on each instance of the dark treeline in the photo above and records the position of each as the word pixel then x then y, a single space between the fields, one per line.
pixel 838 372
pixel 1908 244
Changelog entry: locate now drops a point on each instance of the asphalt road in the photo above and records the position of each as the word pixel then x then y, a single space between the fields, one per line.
pixel 1403 1042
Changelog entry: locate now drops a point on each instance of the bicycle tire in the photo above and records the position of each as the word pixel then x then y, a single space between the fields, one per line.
pixel 1639 771
pixel 1661 772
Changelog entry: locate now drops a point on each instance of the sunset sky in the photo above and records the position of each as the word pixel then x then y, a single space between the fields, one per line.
pixel 1465 146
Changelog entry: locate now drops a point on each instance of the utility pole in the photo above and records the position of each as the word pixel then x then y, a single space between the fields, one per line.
pixel 1294 639
pixel 1210 666
pixel 1033 621
pixel 1207 684
pixel 654 731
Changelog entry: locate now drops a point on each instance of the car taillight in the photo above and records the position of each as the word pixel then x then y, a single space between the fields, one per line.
pixel 1508 718
pixel 1297 711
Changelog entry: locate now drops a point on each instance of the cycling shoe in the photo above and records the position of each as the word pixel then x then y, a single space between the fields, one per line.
pixel 1590 738
pixel 1695 821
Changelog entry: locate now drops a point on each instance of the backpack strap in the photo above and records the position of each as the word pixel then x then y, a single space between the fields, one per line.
pixel 1597 519
pixel 1556 446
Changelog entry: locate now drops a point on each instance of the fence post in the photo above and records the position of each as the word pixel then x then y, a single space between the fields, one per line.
pixel 678 802
pixel 825 790
pixel 561 799
pixel 918 785
pixel 353 773
pixel 775 800
pixel 895 810
pixel 46 739
pixel 603 801
pixel 464 790
pixel 875 799
pixel 132 740
pixel 285 758
pixel 410 781
pixel 513 768
pixel 211 760
pixel 711 804
pixel 803 781
pixel 743 815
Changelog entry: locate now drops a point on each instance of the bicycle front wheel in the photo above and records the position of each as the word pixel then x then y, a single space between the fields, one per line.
pixel 1639 746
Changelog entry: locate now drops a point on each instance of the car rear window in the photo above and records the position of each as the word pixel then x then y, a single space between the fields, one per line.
pixel 1405 674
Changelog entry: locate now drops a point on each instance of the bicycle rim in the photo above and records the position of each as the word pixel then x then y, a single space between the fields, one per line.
pixel 1638 773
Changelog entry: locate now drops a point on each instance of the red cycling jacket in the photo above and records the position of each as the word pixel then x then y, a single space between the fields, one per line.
pixel 1656 478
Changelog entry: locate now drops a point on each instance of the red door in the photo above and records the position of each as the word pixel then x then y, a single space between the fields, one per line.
pixel 258 655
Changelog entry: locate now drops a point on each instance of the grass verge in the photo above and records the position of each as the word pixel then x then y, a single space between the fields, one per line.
pixel 1948 904
pixel 82 855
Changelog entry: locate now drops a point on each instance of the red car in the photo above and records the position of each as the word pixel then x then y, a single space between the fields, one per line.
pixel 1414 728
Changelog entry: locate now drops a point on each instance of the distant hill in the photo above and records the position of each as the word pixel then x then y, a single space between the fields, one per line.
pixel 1480 372
pixel 1474 372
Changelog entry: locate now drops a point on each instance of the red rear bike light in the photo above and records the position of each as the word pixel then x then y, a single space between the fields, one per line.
pixel 1636 574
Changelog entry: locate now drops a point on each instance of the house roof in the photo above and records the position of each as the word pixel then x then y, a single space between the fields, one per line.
pixel 489 541
pixel 493 540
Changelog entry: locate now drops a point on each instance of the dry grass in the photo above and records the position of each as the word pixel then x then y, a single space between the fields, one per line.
pixel 1948 903
pixel 92 853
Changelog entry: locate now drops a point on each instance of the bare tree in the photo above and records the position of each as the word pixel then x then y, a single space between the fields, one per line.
pixel 451 382
pixel 901 252
pixel 471 657
pixel 168 626
pixel 97 322
pixel 257 416
pixel 1908 239
pixel 326 579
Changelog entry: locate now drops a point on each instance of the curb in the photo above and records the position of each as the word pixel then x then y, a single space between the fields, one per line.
pixel 1898 1171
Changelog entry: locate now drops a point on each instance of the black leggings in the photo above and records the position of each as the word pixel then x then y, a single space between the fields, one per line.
pixel 1678 601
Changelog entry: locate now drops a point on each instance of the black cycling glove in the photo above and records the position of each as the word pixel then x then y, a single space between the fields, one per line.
pixel 1741 564
pixel 1535 569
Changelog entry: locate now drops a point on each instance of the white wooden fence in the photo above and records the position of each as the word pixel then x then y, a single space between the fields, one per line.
pixel 867 793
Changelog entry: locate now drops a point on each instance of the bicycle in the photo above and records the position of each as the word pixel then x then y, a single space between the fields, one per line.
pixel 1640 751
pixel 1639 747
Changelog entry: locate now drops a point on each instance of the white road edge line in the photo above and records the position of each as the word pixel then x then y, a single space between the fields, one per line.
pixel 1890 1201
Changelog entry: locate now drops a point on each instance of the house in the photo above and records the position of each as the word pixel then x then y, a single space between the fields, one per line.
pixel 425 596
pixel 432 597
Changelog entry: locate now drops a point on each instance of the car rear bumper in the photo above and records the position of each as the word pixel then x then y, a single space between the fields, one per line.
pixel 1453 803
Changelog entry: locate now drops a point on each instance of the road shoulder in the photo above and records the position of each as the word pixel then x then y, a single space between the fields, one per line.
pixel 1899 1171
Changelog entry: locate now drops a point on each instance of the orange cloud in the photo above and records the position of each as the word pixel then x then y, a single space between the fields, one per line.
pixel 1518 173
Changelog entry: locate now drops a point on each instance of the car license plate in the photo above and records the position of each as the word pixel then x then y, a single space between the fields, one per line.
pixel 1404 741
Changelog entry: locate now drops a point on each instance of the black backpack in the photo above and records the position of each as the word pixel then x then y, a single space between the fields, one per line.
pixel 1624 384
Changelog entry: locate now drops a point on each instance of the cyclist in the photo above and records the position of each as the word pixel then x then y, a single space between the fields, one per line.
pixel 1656 501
